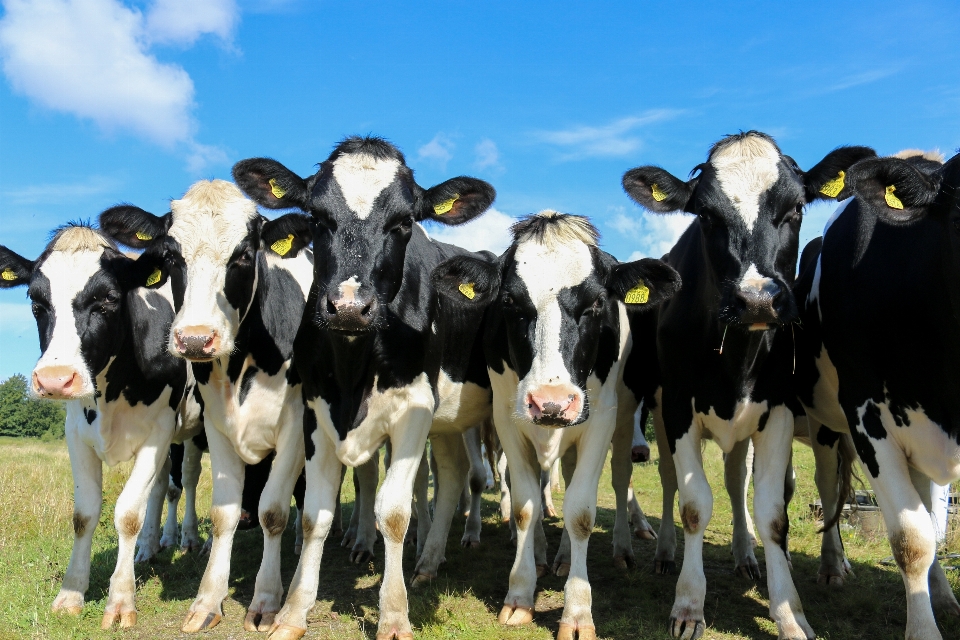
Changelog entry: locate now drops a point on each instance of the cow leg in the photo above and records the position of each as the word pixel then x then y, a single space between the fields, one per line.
pixel 451 461
pixel 190 534
pixel 789 489
pixel 393 517
pixel 546 488
pixel 228 476
pixel 638 520
pixel 621 467
pixel 298 490
pixel 422 500
pixel 174 491
pixel 663 560
pixel 941 593
pixel 273 511
pixel 336 529
pixel 505 508
pixel 148 542
pixel 825 444
pixel 772 457
pixel 568 465
pixel 128 518
pixel 477 480
pixel 324 477
pixel 736 477
pixel 363 521
pixel 87 472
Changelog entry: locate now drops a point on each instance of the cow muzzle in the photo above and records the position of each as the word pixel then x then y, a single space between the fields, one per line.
pixel 57 383
pixel 759 302
pixel 349 314
pixel 197 343
pixel 555 405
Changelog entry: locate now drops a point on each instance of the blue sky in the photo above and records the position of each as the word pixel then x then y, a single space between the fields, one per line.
pixel 107 101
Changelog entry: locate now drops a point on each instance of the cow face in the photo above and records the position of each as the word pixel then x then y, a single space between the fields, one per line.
pixel 749 200
pixel 76 288
pixel 209 246
pixel 557 296
pixel 364 202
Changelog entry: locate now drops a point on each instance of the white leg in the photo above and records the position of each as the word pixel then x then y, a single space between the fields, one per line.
pixel 638 520
pixel 171 529
pixel 362 534
pixel 505 508
pixel 148 542
pixel 546 490
pixel 621 467
pixel 228 477
pixel 421 497
pixel 736 477
pixel 128 518
pixel 772 458
pixel 190 536
pixel 477 480
pixel 941 593
pixel 87 497
pixel 663 560
pixel 561 562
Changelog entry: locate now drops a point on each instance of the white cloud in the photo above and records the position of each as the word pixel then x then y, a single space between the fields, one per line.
pixel 488 155
pixel 491 232
pixel 653 233
pixel 438 150
pixel 58 193
pixel 618 138
pixel 92 59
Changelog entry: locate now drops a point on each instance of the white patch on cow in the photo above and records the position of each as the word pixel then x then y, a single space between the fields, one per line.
pixel 349 288
pixel 209 221
pixel 746 169
pixel 362 178
pixel 726 433
pixel 826 407
pixel 462 404
pixel 301 268
pixel 836 214
pixel 752 280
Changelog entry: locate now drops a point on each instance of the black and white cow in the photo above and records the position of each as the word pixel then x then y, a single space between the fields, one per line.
pixel 880 354
pixel 102 341
pixel 720 366
pixel 378 357
pixel 555 340
pixel 240 282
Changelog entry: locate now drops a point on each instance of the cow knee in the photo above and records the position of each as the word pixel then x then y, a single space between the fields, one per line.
pixel 912 550
pixel 691 518
pixel 273 520
pixel 394 525
pixel 523 517
pixel 80 524
pixel 581 525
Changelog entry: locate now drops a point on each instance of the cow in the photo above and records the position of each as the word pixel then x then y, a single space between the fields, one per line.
pixel 378 357
pixel 239 282
pixel 101 321
pixel 555 339
pixel 721 369
pixel 879 357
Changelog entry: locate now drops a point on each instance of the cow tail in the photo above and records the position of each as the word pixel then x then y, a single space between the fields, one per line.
pixel 847 457
pixel 488 436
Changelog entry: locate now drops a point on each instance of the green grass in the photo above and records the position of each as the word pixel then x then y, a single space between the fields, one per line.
pixel 36 536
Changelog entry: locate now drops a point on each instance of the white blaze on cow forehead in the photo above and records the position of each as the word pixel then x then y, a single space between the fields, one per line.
pixel 753 280
pixel 349 288
pixel 747 168
pixel 210 220
pixel 361 178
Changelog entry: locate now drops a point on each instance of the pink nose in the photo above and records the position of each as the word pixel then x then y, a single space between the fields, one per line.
pixel 56 382
pixel 554 405
pixel 197 342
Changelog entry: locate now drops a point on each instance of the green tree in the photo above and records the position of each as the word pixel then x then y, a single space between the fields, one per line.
pixel 23 416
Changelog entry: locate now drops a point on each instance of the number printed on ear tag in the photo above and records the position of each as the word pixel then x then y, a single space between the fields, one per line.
pixel 8 275
pixel 658 195
pixel 276 189
pixel 833 188
pixel 282 247
pixel 142 235
pixel 638 295
pixel 466 288
pixel 445 206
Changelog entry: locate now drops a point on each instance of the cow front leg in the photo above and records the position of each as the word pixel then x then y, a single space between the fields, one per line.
pixel 505 507
pixel 228 475
pixel 736 478
pixel 420 494
pixel 941 593
pixel 362 534
pixel 621 467
pixel 171 529
pixel 87 472
pixel 128 518
pixel 451 461
pixel 825 443
pixel 638 520
pixel 148 542
pixel 561 562
pixel 771 460
pixel 477 480
pixel 190 533
pixel 664 559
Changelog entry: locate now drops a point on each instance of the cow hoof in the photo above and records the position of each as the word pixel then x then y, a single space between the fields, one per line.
pixel 664 567
pixel 393 634
pixel 361 556
pixel 200 620
pixel 259 620
pixel 686 629
pixel 825 580
pixel 470 544
pixel 207 546
pixel 69 603
pixel 645 534
pixel 72 610
pixel 348 541
pixel 550 512
pixel 750 570
pixel 796 631
pixel 145 555
pixel 421 580
pixel 286 632
pixel 624 562
pixel 297 548
pixel 515 616
pixel 569 632
pixel 542 570
pixel 126 619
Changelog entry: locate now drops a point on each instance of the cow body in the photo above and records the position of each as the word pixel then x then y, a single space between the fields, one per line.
pixel 879 355
pixel 240 282
pixel 102 343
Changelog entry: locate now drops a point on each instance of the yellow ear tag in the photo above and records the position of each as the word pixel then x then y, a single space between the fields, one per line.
pixel 276 189
pixel 638 295
pixel 892 201
pixel 833 188
pixel 8 274
pixel 445 206
pixel 658 195
pixel 282 247
pixel 466 288
pixel 144 236
pixel 154 278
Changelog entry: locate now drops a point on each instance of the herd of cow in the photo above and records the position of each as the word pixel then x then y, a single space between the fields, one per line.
pixel 306 342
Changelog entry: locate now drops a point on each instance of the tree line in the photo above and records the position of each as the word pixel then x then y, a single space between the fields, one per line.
pixel 24 417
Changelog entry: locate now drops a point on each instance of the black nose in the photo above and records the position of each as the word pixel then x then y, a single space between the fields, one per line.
pixel 350 314
pixel 759 303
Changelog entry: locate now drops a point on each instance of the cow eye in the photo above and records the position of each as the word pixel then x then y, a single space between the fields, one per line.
pixel 112 298
pixel 507 300
pixel 245 259
pixel 403 225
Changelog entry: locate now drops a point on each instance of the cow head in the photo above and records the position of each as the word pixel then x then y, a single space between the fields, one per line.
pixel 77 291
pixel 556 295
pixel 211 247
pixel 364 202
pixel 749 199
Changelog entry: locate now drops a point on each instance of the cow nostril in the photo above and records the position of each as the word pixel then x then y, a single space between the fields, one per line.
pixel 366 309
pixel 331 308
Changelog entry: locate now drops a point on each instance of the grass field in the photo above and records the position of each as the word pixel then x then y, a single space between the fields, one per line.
pixel 36 536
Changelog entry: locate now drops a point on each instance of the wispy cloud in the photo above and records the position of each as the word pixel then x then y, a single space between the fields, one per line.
pixel 490 232
pixel 59 193
pixel 487 155
pixel 617 138
pixel 653 234
pixel 858 79
pixel 439 150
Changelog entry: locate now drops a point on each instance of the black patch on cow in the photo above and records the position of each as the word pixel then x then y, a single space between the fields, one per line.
pixel 762 422
pixel 176 464
pixel 248 377
pixel 827 437
pixel 90 415
pixel 872 423
pixel 309 426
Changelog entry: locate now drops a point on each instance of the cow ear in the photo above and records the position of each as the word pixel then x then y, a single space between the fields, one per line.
pixel 15 270
pixel 644 283
pixel 658 190
pixel 132 226
pixel 828 178
pixel 270 184
pixel 467 280
pixel 287 235
pixel 455 201
pixel 127 270
pixel 896 190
